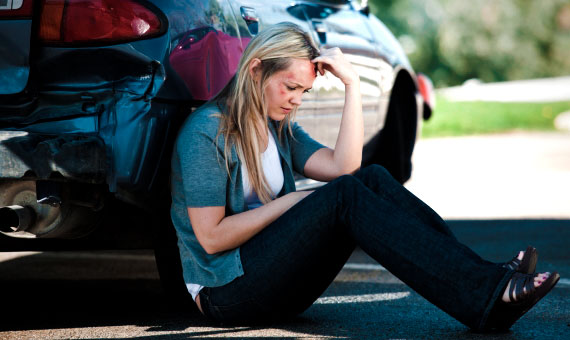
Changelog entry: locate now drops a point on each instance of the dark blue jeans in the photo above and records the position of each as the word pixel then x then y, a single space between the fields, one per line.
pixel 292 261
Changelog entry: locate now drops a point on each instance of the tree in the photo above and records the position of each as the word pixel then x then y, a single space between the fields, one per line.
pixel 454 40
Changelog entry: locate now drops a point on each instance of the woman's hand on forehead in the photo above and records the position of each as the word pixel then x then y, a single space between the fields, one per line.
pixel 334 61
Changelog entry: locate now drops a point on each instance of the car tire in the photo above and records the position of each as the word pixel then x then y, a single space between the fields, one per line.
pixel 392 147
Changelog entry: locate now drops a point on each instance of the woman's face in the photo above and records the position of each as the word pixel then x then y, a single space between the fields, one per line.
pixel 284 89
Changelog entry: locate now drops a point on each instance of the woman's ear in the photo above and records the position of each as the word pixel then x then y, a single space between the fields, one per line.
pixel 255 69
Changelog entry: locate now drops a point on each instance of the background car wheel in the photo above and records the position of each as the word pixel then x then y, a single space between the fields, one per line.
pixel 392 147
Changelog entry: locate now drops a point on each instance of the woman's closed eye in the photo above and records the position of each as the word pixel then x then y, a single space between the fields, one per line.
pixel 291 88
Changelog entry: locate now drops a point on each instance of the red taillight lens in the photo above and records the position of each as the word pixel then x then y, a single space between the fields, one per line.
pixel 426 90
pixel 97 21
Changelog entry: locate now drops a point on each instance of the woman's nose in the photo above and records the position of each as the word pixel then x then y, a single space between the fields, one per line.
pixel 296 99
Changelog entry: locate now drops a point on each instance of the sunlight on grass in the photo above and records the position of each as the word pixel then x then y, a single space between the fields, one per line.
pixel 470 118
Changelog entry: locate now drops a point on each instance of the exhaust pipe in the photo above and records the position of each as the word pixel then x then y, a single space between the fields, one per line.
pixel 16 218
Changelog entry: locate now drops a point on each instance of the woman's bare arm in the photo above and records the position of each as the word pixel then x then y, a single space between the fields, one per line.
pixel 217 232
pixel 327 164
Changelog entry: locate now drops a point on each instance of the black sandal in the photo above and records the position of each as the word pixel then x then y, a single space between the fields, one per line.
pixel 528 263
pixel 505 314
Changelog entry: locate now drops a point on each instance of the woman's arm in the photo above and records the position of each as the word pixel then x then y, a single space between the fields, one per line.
pixel 217 232
pixel 327 164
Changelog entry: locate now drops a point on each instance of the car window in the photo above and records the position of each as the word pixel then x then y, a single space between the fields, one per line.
pixel 202 13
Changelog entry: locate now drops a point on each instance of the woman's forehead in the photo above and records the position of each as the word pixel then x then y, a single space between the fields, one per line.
pixel 300 71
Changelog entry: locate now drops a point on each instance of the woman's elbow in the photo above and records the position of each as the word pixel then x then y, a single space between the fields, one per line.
pixel 354 170
pixel 210 244
pixel 349 169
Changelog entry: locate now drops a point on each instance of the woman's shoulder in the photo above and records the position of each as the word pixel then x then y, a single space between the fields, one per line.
pixel 206 117
pixel 205 121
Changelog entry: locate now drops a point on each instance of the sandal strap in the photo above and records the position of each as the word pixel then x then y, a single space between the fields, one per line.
pixel 521 286
pixel 513 264
pixel 526 265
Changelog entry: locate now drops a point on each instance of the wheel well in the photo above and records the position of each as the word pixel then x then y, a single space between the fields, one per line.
pixel 392 146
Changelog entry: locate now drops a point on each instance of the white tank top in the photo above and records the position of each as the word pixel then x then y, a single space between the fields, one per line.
pixel 271 169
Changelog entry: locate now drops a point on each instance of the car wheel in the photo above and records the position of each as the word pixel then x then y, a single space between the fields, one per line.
pixel 392 147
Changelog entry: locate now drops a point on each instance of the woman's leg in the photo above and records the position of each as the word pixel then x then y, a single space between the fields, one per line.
pixel 378 179
pixel 318 234
pixel 425 254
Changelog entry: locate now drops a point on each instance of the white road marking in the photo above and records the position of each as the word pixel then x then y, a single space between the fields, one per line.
pixel 364 266
pixel 563 283
pixel 361 298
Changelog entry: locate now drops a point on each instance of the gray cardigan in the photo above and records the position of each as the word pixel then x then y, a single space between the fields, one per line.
pixel 199 179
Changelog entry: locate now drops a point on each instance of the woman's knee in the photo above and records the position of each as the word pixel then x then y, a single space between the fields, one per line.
pixel 373 171
pixel 347 181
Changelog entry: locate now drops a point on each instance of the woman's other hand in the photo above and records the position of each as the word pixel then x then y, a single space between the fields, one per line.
pixel 334 61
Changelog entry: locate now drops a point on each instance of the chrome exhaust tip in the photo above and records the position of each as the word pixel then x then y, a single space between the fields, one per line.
pixel 16 218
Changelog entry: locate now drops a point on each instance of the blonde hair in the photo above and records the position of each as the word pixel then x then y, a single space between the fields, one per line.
pixel 244 100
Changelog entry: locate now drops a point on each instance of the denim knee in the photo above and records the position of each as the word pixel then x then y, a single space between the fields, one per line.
pixel 346 181
pixel 375 169
pixel 347 188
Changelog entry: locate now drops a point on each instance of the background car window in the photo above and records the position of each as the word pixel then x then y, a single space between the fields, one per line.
pixel 202 13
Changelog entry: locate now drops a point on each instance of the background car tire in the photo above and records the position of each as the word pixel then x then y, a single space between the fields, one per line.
pixel 392 147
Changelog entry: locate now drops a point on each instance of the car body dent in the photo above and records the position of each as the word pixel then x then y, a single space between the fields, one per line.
pixel 101 91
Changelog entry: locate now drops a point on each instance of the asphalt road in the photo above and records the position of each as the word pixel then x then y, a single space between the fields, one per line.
pixel 117 295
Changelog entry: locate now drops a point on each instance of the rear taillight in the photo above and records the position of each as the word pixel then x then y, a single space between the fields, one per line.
pixel 15 8
pixel 426 90
pixel 97 21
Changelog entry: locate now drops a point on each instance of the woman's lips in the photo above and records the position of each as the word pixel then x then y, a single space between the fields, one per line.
pixel 286 110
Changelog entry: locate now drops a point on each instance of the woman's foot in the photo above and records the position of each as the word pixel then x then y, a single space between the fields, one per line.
pixel 538 280
pixel 521 294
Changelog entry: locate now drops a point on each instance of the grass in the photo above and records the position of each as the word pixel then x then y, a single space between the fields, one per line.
pixel 470 118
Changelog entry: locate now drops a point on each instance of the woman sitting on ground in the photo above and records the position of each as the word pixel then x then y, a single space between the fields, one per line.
pixel 254 249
